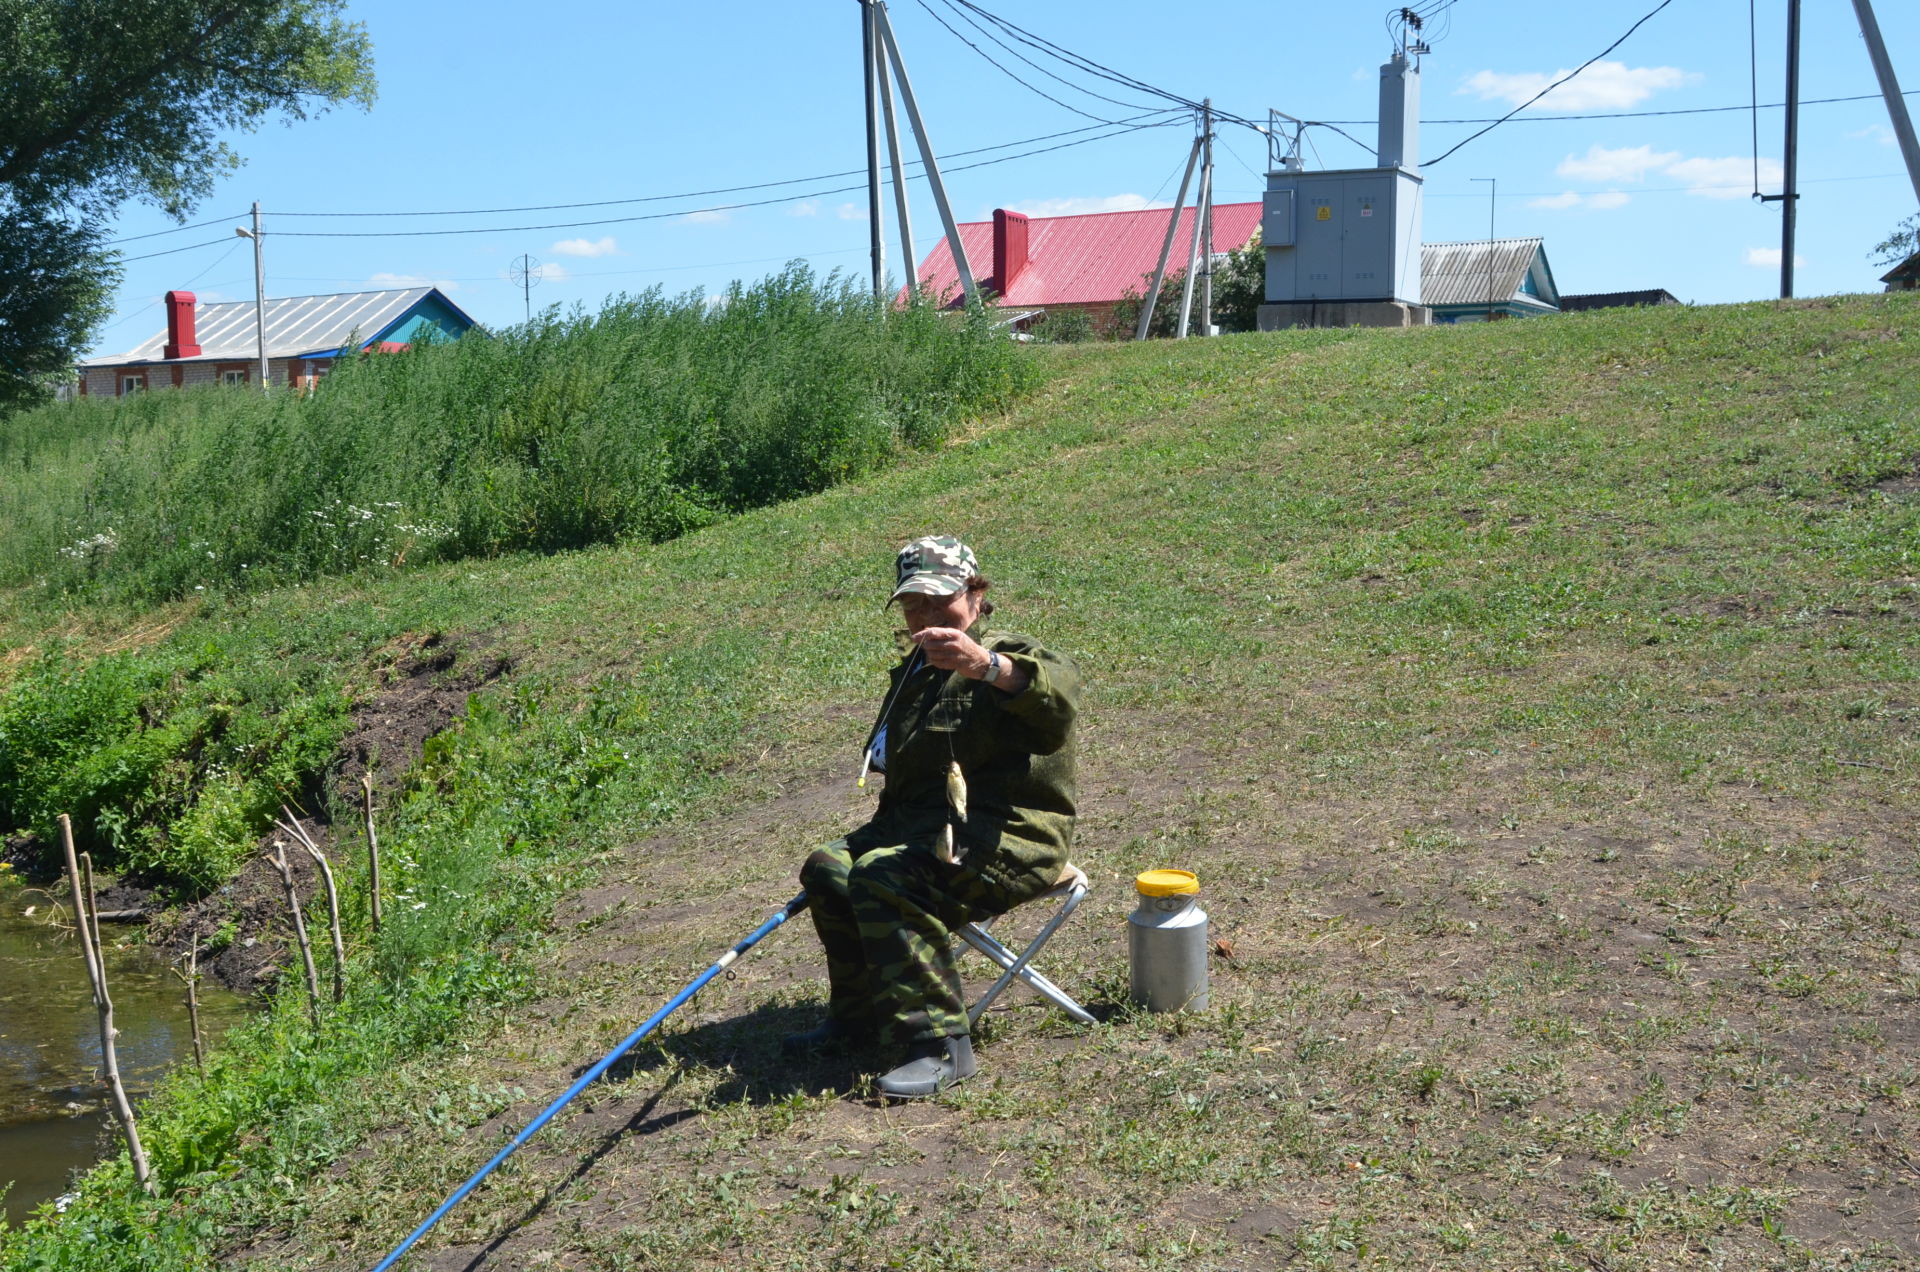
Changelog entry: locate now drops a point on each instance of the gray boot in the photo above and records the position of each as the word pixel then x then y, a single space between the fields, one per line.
pixel 930 1068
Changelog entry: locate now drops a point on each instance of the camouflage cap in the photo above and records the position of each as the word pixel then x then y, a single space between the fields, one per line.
pixel 938 565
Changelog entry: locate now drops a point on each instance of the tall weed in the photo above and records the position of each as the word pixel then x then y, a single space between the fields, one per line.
pixel 654 416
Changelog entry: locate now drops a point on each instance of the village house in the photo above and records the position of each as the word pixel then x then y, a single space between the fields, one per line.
pixel 1905 276
pixel 1085 262
pixel 1487 278
pixel 219 344
pixel 1089 262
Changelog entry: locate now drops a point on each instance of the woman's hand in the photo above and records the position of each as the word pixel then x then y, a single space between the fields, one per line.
pixel 951 649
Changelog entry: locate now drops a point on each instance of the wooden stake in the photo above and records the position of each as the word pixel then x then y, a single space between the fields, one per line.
pixel 373 847
pixel 192 981
pixel 279 860
pixel 293 827
pixel 82 885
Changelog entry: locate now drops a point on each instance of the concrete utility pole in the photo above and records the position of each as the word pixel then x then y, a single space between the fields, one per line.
pixel 1166 246
pixel 1194 248
pixel 1790 184
pixel 927 159
pixel 911 260
pixel 1206 220
pixel 870 70
pixel 1890 89
pixel 259 294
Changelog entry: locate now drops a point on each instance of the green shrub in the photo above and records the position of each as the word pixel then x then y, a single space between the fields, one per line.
pixel 1066 326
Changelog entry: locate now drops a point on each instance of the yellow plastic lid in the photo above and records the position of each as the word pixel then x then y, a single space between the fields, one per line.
pixel 1167 883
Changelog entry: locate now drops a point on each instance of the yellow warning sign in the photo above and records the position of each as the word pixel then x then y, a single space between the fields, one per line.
pixel 1323 213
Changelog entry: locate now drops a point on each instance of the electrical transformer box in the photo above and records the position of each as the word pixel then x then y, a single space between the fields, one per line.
pixel 1351 235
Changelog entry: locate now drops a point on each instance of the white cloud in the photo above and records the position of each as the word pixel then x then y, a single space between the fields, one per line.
pixel 1602 86
pixel 850 212
pixel 1086 204
pixel 806 207
pixel 1601 202
pixel 1565 199
pixel 1769 258
pixel 1624 164
pixel 1730 178
pixel 405 280
pixel 586 247
pixel 708 216
pixel 1875 132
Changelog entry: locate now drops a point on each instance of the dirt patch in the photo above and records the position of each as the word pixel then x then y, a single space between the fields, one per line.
pixel 420 694
pixel 242 929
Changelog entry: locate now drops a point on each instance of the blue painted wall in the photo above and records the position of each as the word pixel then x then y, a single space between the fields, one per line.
pixel 430 319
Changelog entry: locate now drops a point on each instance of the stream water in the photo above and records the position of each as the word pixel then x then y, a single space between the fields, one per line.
pixel 52 1118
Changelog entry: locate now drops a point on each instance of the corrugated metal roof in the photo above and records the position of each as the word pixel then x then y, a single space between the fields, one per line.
pixel 1085 259
pixel 1465 273
pixel 296 326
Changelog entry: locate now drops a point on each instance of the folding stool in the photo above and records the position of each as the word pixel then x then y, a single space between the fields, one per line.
pixel 1071 889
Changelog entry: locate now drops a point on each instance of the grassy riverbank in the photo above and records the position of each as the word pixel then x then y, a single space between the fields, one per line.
pixel 1535 702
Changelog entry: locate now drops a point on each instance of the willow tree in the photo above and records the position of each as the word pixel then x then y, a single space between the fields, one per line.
pixel 104 102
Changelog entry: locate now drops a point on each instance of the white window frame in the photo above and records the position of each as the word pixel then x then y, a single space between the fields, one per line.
pixel 132 382
pixel 231 378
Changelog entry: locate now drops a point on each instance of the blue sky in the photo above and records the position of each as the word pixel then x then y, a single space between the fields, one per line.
pixel 497 106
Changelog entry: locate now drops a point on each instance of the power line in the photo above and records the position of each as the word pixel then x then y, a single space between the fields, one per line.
pixel 178 229
pixel 739 189
pixel 1079 88
pixel 724 207
pixel 1087 65
pixel 1040 92
pixel 1077 61
pixel 1557 83
pixel 1686 189
pixel 1629 114
pixel 174 251
pixel 591 273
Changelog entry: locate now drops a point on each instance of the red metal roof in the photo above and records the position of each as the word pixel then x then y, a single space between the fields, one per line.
pixel 1085 259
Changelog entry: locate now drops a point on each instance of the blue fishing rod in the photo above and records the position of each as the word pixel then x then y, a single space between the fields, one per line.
pixel 780 916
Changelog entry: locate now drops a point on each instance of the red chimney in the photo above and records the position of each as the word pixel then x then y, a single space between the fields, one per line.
pixel 180 341
pixel 1009 248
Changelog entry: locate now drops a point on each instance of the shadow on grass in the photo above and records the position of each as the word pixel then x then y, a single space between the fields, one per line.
pixel 743 1054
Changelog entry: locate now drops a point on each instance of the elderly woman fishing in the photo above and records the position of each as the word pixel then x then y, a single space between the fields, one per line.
pixel 976 740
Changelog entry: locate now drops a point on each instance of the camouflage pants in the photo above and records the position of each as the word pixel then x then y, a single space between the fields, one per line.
pixel 886 921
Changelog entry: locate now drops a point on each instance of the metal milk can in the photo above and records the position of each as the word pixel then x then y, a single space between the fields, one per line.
pixel 1167 943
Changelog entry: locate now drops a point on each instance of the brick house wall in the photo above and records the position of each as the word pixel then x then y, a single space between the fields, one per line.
pixel 105 381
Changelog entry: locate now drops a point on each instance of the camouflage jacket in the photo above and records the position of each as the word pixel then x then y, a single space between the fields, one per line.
pixel 1017 753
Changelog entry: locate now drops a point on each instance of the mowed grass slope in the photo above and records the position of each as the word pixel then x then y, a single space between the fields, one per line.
pixel 1536 703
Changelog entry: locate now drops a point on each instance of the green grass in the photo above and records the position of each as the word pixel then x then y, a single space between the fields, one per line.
pixel 1534 701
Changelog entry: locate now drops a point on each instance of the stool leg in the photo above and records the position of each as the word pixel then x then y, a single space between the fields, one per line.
pixel 1018 967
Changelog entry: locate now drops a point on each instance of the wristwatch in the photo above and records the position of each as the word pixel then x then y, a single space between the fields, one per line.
pixel 994 667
